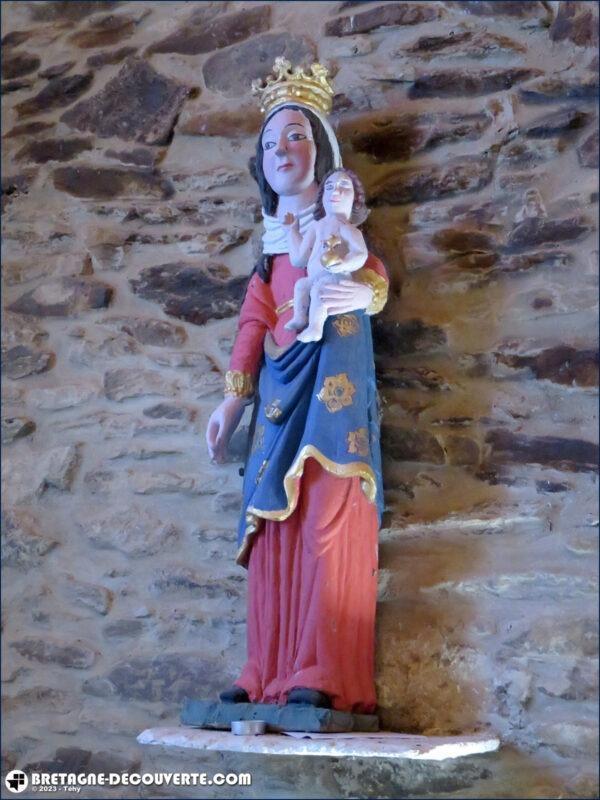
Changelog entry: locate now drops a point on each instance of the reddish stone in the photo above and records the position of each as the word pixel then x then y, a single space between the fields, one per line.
pixel 14 185
pixel 69 10
pixel 15 38
pixel 587 151
pixel 522 153
pixel 29 128
pixel 16 85
pixel 576 22
pixel 75 655
pixel 457 83
pixel 464 43
pixel 526 261
pixel 139 156
pixel 63 297
pixel 169 677
pixel 385 16
pixel 421 378
pixel 562 364
pixel 434 44
pixel 550 89
pixel 201 35
pixel 569 454
pixel 461 451
pixel 189 293
pixel 105 183
pixel 104 31
pixel 56 70
pixel 473 261
pixel 416 184
pixel 58 92
pixel 19 64
pixel 138 103
pixel 388 137
pixel 232 71
pixel 110 57
pixel 528 10
pixel 540 230
pixel 453 240
pixel 557 122
pixel 404 444
pixel 53 150
pixel 22 360
pixel 411 336
pixel 233 124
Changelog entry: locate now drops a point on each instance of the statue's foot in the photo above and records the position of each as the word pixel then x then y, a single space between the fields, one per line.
pixel 309 335
pixel 234 695
pixel 295 325
pixel 311 697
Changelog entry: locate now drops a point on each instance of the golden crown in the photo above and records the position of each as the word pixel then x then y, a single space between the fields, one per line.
pixel 295 85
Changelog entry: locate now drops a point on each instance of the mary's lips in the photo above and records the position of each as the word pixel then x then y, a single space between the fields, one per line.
pixel 284 166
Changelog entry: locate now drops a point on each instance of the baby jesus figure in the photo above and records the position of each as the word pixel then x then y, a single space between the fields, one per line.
pixel 331 249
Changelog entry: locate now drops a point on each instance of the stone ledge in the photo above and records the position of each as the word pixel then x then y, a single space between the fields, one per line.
pixel 290 717
pixel 363 745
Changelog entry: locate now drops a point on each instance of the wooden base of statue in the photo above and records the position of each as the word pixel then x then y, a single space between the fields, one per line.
pixel 292 717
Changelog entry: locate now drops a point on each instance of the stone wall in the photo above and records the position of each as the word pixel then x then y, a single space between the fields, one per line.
pixel 130 227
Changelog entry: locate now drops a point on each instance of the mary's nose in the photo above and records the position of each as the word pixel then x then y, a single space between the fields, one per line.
pixel 281 147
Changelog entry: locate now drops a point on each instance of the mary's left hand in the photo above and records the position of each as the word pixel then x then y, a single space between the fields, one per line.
pixel 345 296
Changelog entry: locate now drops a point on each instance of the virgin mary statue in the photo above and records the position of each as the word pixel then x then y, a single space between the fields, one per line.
pixel 312 497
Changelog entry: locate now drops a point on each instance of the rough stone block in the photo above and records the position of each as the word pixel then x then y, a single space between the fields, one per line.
pixel 292 717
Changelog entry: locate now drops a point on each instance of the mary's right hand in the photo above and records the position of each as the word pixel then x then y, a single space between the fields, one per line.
pixel 221 426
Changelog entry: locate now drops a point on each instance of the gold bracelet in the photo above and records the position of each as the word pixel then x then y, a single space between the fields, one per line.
pixel 238 384
pixel 379 286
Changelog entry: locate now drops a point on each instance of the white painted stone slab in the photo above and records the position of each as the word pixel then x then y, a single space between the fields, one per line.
pixel 365 745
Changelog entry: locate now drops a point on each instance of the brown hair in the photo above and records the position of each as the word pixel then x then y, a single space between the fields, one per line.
pixel 359 211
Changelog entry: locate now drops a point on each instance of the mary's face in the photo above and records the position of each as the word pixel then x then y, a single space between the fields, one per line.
pixel 289 152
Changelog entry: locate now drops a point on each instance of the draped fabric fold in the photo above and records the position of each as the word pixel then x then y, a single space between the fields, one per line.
pixel 318 401
pixel 312 591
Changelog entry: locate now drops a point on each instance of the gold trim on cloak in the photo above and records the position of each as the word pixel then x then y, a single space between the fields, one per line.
pixel 291 484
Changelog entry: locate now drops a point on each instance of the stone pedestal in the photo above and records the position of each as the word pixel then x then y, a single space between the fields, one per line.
pixel 292 717
pixel 384 744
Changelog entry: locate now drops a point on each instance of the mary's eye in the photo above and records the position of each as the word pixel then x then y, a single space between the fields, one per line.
pixel 268 145
pixel 296 137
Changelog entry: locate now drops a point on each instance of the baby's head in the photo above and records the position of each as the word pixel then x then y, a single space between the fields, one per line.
pixel 341 192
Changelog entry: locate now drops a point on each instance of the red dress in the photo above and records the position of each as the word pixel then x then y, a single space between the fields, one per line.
pixel 312 578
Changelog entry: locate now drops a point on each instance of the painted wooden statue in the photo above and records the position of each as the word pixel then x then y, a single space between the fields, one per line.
pixel 312 497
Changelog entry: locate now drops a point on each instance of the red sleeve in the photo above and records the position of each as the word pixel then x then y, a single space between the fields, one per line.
pixel 376 265
pixel 374 274
pixel 257 316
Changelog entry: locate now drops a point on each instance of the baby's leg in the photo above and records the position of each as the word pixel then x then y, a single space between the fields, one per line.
pixel 317 313
pixel 301 301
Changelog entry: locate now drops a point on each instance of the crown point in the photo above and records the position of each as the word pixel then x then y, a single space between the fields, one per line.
pixel 310 88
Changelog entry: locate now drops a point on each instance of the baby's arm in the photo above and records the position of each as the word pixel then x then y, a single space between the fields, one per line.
pixel 357 249
pixel 299 246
